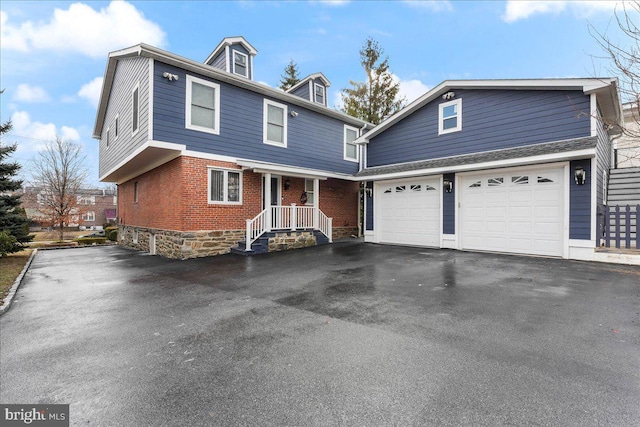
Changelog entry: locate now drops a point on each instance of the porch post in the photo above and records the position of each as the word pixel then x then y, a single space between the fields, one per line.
pixel 267 200
pixel 316 203
pixel 292 215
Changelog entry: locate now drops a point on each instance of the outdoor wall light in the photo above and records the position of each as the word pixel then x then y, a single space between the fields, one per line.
pixel 287 184
pixel 170 76
pixel 294 114
pixel 448 95
pixel 368 191
pixel 580 175
pixel 447 186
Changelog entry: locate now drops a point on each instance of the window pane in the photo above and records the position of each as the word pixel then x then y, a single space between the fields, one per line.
pixel 275 115
pixel 135 110
pixel 217 186
pixel 450 123
pixel 234 186
pixel 351 151
pixel 240 59
pixel 351 135
pixel 450 110
pixel 202 117
pixel 203 96
pixel 275 133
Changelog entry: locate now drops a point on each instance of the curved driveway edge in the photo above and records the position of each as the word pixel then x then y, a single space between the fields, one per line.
pixel 16 284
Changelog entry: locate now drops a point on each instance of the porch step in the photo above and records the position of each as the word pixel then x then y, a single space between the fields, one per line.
pixel 261 245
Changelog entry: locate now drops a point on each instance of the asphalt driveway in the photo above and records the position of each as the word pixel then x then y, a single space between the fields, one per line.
pixel 345 334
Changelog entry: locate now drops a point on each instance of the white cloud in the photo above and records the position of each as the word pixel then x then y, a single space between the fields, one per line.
pixel 411 89
pixel 80 28
pixel 33 135
pixel 31 94
pixel 430 5
pixel 517 10
pixel 91 91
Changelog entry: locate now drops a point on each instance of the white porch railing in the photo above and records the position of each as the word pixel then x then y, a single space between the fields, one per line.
pixel 287 218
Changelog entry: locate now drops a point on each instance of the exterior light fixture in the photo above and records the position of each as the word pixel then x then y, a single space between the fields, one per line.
pixel 368 191
pixel 170 76
pixel 447 186
pixel 449 95
pixel 580 175
pixel 287 184
pixel 294 113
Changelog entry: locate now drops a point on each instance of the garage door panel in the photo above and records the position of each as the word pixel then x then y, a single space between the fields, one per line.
pixel 409 212
pixel 519 212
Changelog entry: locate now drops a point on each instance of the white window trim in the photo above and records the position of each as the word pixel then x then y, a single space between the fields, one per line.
pixel 188 125
pixel 268 102
pixel 225 186
pixel 107 137
pixel 312 191
pixel 90 216
pixel 246 61
pixel 344 143
pixel 135 131
pixel 441 130
pixel 324 94
pixel 116 125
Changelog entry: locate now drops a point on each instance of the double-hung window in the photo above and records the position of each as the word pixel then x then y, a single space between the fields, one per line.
pixel 225 186
pixel 319 93
pixel 135 109
pixel 308 188
pixel 240 64
pixel 350 147
pixel 275 123
pixel 203 105
pixel 450 117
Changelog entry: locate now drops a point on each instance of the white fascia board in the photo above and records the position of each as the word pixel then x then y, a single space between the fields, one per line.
pixel 263 167
pixel 584 84
pixel 519 161
pixel 229 41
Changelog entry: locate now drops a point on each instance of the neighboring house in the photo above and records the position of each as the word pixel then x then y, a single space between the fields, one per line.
pixel 627 147
pixel 512 166
pixel 204 156
pixel 95 207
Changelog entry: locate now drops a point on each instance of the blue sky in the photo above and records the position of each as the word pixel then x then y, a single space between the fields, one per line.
pixel 53 54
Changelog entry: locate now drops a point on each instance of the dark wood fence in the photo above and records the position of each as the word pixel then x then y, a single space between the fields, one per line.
pixel 621 227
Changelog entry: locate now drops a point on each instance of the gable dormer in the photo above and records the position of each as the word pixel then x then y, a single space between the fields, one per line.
pixel 233 55
pixel 312 88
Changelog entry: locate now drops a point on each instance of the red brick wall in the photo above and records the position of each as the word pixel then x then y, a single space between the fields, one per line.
pixel 174 197
pixel 159 198
pixel 200 215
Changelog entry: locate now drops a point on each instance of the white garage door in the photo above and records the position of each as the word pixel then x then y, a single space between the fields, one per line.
pixel 516 212
pixel 408 212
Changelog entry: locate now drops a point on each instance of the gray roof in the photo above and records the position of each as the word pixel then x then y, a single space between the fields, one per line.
pixel 487 156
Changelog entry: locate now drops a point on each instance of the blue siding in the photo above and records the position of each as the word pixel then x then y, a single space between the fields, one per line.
pixel 369 203
pixel 491 120
pixel 303 91
pixel 580 203
pixel 219 61
pixel 314 140
pixel 449 207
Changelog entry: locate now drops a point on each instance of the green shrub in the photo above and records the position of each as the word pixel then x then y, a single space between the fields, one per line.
pixel 8 243
pixel 91 240
pixel 112 235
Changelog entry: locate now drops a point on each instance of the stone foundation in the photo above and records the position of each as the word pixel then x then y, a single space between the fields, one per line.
pixel 288 240
pixel 344 232
pixel 179 244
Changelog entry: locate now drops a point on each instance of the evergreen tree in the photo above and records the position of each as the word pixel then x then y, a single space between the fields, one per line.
pixel 377 97
pixel 290 78
pixel 13 219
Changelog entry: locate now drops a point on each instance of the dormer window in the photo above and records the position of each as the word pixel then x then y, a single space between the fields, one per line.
pixel 240 61
pixel 319 93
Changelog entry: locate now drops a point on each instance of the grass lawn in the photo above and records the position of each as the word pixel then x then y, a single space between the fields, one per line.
pixel 10 268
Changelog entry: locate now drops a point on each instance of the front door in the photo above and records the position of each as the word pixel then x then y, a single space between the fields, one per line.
pixel 275 191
